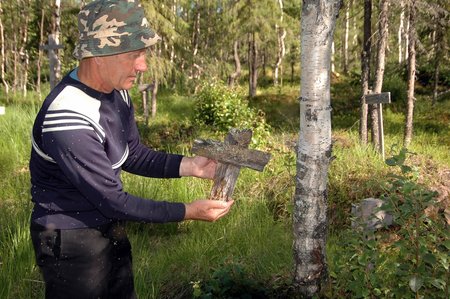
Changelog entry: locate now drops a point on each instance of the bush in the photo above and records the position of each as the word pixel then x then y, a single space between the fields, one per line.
pixel 408 260
pixel 223 108
pixel 397 86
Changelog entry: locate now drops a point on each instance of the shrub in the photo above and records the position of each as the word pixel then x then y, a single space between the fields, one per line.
pixel 406 261
pixel 222 108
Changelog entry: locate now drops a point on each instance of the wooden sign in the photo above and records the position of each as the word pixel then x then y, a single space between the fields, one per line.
pixel 378 98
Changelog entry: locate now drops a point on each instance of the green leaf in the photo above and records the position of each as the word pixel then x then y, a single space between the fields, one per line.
pixel 391 162
pixel 446 243
pixel 438 283
pixel 415 283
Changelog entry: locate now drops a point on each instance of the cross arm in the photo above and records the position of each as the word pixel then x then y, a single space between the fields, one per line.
pixel 231 154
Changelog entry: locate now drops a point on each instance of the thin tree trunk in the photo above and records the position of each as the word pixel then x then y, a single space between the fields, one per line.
pixel 318 22
pixel 253 67
pixel 3 59
pixel 16 61
pixel 39 60
pixel 154 93
pixel 365 70
pixel 264 62
pixel 346 33
pixel 411 74
pixel 400 33
pixel 281 35
pixel 355 39
pixel 53 45
pixel 237 65
pixel 23 51
pixel 379 71
pixel 439 45
pixel 406 38
pixel 333 66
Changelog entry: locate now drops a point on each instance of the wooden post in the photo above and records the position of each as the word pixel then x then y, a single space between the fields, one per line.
pixel 379 99
pixel 145 89
pixel 231 155
pixel 53 59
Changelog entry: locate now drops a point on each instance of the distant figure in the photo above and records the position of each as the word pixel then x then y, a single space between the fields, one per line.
pixel 83 136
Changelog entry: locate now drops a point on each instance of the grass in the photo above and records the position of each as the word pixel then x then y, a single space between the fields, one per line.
pixel 171 260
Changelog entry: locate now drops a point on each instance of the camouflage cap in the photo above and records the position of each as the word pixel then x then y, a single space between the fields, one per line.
pixel 109 27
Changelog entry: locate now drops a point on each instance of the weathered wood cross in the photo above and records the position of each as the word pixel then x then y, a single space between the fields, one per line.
pixel 231 155
pixel 145 89
pixel 378 99
pixel 53 59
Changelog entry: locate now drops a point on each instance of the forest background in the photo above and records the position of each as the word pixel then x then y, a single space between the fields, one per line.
pixel 224 64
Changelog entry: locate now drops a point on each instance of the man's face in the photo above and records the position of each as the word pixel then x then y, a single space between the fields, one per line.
pixel 120 71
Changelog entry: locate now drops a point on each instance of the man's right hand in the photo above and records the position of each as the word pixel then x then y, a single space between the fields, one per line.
pixel 207 210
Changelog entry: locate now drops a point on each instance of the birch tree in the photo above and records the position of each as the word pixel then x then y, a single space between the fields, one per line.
pixel 401 31
pixel 281 35
pixel 3 57
pixel 411 74
pixel 365 70
pixel 318 22
pixel 345 38
pixel 380 65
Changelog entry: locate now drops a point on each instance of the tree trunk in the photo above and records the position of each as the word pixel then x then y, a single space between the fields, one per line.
pixel 406 37
pixel 237 65
pixel 154 93
pixel 53 44
pixel 253 64
pixel 379 71
pixel 400 33
pixel 365 70
pixel 411 74
pixel 318 22
pixel 281 35
pixel 16 61
pixel 39 60
pixel 333 66
pixel 264 62
pixel 3 59
pixel 346 33
pixel 439 45
pixel 23 52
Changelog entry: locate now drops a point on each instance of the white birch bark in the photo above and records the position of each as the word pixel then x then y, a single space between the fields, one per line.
pixel 333 52
pixel 346 34
pixel 53 46
pixel 318 22
pixel 411 75
pixel 379 71
pixel 365 70
pixel 2 52
pixel 281 34
pixel 401 28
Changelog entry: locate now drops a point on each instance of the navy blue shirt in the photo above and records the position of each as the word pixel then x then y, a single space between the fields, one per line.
pixel 82 139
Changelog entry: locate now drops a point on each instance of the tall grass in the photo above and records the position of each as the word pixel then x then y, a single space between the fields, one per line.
pixel 170 259
pixel 18 275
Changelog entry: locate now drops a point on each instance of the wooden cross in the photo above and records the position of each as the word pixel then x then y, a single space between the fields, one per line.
pixel 379 99
pixel 231 155
pixel 53 59
pixel 145 89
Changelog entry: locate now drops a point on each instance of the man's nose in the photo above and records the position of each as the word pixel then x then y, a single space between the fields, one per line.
pixel 141 64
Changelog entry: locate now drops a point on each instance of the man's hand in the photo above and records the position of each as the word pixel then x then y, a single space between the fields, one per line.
pixel 198 166
pixel 207 210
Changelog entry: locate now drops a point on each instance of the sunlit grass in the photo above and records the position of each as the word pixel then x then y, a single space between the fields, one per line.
pixel 257 234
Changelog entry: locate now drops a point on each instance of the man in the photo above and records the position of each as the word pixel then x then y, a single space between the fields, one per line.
pixel 82 138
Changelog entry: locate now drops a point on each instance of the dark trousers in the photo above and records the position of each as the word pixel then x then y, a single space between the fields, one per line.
pixel 84 263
